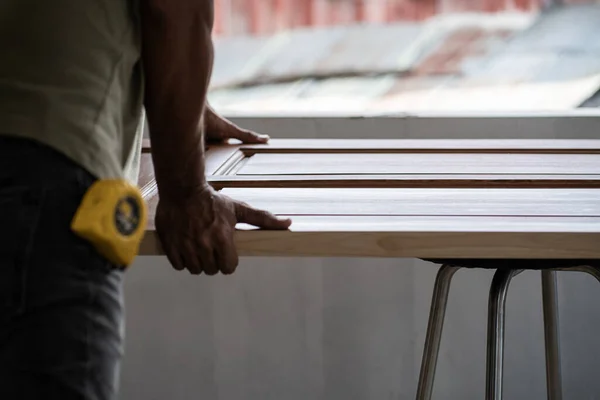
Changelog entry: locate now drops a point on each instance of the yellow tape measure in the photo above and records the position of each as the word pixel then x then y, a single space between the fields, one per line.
pixel 112 217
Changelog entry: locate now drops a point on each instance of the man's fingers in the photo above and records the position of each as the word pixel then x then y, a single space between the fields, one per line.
pixel 189 257
pixel 170 250
pixel 175 259
pixel 260 218
pixel 206 254
pixel 226 255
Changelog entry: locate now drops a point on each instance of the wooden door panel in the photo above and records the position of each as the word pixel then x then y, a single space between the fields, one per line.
pixel 410 198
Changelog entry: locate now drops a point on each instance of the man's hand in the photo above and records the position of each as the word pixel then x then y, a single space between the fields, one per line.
pixel 219 129
pixel 197 232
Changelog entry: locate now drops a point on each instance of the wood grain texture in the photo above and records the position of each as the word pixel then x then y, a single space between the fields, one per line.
pixel 426 202
pixel 407 163
pixel 429 199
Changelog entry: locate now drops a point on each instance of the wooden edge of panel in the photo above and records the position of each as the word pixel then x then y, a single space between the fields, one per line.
pixel 414 145
pixel 407 181
pixel 425 145
pixel 503 245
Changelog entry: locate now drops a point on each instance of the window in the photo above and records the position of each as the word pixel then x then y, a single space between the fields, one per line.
pixel 367 57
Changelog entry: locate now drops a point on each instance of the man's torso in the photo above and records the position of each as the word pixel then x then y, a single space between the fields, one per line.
pixel 71 78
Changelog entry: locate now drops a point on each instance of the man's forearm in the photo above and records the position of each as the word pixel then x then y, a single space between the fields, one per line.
pixel 177 54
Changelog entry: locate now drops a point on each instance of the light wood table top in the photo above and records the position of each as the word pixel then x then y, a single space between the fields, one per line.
pixel 410 198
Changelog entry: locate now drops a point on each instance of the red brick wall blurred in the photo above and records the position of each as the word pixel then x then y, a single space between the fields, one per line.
pixel 266 16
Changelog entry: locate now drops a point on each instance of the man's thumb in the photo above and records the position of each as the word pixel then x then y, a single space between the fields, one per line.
pixel 260 218
pixel 249 137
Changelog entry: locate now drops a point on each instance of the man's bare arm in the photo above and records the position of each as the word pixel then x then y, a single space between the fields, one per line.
pixel 177 54
pixel 195 224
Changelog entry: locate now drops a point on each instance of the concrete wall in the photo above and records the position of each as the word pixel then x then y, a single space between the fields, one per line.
pixel 351 328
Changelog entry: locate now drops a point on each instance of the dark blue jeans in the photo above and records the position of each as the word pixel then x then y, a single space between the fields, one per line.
pixel 61 308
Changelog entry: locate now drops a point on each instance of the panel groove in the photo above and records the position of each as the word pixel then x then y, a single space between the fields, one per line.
pixel 230 164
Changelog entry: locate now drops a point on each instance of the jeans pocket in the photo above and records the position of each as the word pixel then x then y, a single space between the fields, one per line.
pixel 19 210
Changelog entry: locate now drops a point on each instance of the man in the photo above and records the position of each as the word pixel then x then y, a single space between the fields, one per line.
pixel 74 76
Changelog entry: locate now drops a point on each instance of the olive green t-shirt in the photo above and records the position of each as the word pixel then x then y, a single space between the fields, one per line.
pixel 71 78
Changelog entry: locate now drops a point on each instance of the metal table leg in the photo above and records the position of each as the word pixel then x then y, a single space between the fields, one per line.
pixel 551 335
pixel 495 335
pixel 434 330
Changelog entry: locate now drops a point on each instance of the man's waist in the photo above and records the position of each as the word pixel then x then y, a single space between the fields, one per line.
pixel 25 148
pixel 34 159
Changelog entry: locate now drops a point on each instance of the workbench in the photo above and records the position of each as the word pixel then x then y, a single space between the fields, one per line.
pixel 508 205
